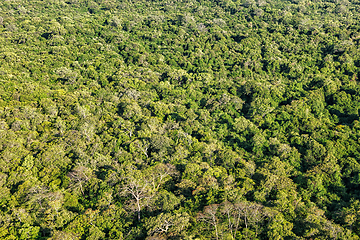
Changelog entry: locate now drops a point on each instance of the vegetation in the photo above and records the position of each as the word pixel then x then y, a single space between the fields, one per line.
pixel 179 119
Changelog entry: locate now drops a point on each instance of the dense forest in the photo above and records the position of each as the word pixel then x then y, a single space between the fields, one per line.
pixel 189 119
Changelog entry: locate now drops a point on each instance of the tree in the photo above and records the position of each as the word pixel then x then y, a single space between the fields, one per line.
pixel 139 188
pixel 79 176
pixel 170 224
pixel 233 218
pixel 142 186
pixel 251 214
pixel 209 216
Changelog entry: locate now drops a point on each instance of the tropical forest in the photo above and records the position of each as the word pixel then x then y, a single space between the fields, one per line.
pixel 179 119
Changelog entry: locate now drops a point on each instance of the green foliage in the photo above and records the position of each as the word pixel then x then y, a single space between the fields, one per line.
pixel 179 120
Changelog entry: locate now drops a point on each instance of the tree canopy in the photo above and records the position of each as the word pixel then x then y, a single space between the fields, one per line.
pixel 189 119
